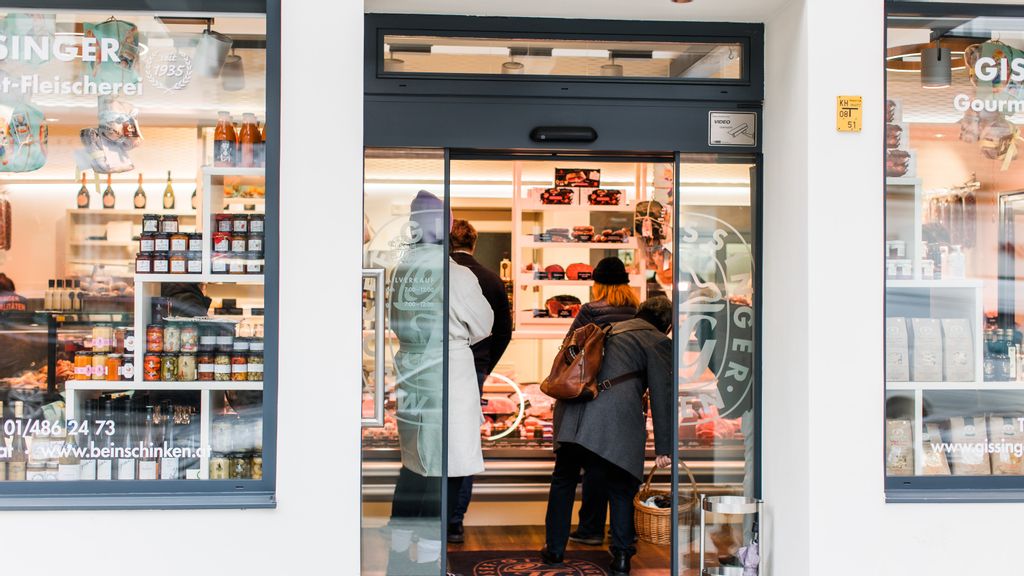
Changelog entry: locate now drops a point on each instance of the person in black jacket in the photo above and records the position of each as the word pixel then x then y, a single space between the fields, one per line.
pixel 487 352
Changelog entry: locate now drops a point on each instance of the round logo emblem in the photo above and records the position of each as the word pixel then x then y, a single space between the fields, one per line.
pixel 169 70
pixel 534 567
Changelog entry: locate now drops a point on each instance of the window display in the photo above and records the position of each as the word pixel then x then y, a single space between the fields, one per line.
pixel 954 316
pixel 132 358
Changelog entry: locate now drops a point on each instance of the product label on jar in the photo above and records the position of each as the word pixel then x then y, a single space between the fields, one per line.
pixel 147 245
pixel 222 369
pixel 255 244
pixel 177 266
pixel 143 266
pixel 162 244
pixel 83 371
pixel 238 368
pixel 253 268
pixel 221 243
pixel 256 226
pixel 150 225
pixel 195 244
pixel 224 152
pixel 129 343
pixel 206 340
pixel 179 245
pixel 160 266
pixel 206 369
pixel 219 266
pixel 238 245
pixel 255 367
pixel 147 470
pixel 240 225
pixel 195 266
pixel 237 266
pixel 169 226
pixel 127 371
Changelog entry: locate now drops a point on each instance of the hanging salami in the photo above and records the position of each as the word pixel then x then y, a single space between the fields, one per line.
pixel 5 223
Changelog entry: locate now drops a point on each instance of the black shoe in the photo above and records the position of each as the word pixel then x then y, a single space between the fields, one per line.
pixel 550 558
pixel 620 564
pixel 588 539
pixel 456 534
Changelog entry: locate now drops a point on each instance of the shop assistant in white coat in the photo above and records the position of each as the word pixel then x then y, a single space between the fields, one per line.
pixel 417 318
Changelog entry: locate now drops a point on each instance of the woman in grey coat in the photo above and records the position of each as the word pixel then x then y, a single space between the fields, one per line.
pixel 608 435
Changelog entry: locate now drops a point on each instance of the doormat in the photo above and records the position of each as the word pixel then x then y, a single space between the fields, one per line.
pixel 527 563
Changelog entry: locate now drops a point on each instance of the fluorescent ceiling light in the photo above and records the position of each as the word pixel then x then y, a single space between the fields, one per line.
pixel 665 55
pixel 470 50
pixel 579 53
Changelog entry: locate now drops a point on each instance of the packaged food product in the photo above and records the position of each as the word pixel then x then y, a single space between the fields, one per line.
pixel 957 350
pixel 970 446
pixel 557 196
pixel 899 447
pixel 579 271
pixel 1008 441
pixel 605 197
pixel 935 462
pixel 897 350
pixel 926 358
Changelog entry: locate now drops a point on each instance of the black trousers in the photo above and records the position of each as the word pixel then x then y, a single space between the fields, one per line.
pixel 419 497
pixel 570 459
pixel 594 508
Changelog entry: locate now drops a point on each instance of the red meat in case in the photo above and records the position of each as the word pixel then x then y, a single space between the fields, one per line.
pixel 563 306
pixel 579 271
pixel 893 135
pixel 555 272
pixel 897 163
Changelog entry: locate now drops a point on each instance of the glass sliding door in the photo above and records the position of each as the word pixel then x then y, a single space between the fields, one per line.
pixel 716 247
pixel 404 269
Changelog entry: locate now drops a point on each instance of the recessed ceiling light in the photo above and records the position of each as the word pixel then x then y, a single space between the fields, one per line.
pixel 682 1
pixel 940 135
pixel 53 119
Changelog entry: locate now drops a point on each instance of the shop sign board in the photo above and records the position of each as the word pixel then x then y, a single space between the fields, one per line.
pixel 732 129
pixel 849 112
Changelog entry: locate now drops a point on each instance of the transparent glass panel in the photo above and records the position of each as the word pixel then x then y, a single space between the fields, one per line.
pixel 560 57
pixel 715 272
pixel 953 210
pixel 404 212
pixel 132 227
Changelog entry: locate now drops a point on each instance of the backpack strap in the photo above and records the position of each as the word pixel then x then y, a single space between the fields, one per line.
pixel 606 384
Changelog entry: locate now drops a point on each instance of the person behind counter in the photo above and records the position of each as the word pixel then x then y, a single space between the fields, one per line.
pixel 10 300
pixel 607 436
pixel 612 300
pixel 417 318
pixel 487 352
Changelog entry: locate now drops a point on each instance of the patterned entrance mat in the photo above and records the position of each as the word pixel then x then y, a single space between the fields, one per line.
pixel 527 563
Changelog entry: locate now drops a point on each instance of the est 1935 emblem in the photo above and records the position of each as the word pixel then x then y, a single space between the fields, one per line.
pixel 169 70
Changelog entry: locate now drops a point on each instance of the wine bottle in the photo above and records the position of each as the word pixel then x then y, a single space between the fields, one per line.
pixel 83 195
pixel 169 464
pixel 17 467
pixel 169 194
pixel 148 464
pixel 88 442
pixel 106 469
pixel 108 195
pixel 139 200
pixel 58 296
pixel 126 464
pixel 48 295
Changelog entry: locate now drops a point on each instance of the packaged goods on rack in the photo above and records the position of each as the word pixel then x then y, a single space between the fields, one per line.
pixel 970 456
pixel 180 350
pixel 897 350
pixel 899 444
pixel 558 197
pixel 926 356
pixel 935 461
pixel 1008 440
pixel 603 197
pixel 237 243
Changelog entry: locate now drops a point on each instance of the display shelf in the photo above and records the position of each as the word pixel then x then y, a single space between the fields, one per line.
pixel 903 181
pixel 904 217
pixel 1010 386
pixel 573 208
pixel 929 284
pixel 161 385
pixel 527 280
pixel 203 278
pixel 122 212
pixel 102 244
pixel 528 242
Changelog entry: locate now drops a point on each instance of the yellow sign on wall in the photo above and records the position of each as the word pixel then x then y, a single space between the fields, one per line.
pixel 849 111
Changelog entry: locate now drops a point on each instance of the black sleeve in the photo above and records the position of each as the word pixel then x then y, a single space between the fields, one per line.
pixel 501 331
pixel 581 320
pixel 663 395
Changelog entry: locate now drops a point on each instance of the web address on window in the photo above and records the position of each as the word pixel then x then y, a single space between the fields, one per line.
pixel 142 451
pixel 1015 448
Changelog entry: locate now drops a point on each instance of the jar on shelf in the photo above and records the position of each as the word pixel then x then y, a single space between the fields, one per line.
pixel 155 338
pixel 151 366
pixel 225 338
pixel 195 242
pixel 256 223
pixel 161 242
pixel 207 337
pixel 178 263
pixel 205 367
pixel 219 263
pixel 172 338
pixel 83 366
pixel 161 262
pixel 150 223
pixel 253 264
pixel 222 367
pixel 239 467
pixel 187 368
pixel 240 223
pixel 238 242
pixel 194 264
pixel 169 367
pixel 99 366
pixel 257 467
pixel 128 368
pixel 236 265
pixel 218 467
pixel 102 338
pixel 222 223
pixel 147 242
pixel 112 370
pixel 169 224
pixel 239 366
pixel 254 370
pixel 179 242
pixel 254 244
pixel 144 264
pixel 189 338
pixel 240 344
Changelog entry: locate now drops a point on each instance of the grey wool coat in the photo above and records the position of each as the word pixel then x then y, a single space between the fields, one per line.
pixel 613 425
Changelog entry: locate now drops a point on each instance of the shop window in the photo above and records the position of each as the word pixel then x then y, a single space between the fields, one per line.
pixel 135 242
pixel 954 315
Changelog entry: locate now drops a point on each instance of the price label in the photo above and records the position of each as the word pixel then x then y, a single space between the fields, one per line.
pixel 849 111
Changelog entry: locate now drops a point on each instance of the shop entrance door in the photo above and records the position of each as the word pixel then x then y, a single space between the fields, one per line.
pixel 684 226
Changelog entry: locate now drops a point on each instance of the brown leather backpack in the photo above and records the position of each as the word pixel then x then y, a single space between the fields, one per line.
pixel 574 372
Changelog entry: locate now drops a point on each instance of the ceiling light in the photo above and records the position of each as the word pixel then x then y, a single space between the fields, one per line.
pixel 940 135
pixel 470 50
pixel 611 69
pixel 513 67
pixel 580 53
pixel 682 1
pixel 53 120
pixel 936 67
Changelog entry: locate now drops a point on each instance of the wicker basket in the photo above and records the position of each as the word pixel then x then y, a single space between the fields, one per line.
pixel 654 525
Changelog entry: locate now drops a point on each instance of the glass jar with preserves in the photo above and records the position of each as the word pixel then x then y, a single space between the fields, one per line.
pixel 254 264
pixel 236 265
pixel 169 224
pixel 207 337
pixel 254 244
pixel 172 338
pixel 257 467
pixel 179 242
pixel 240 467
pixel 147 243
pixel 195 242
pixel 161 263
pixel 254 371
pixel 218 467
pixel 187 368
pixel 83 366
pixel 225 338
pixel 222 367
pixel 151 366
pixel 238 242
pixel 102 338
pixel 240 223
pixel 161 242
pixel 221 242
pixel 189 338
pixel 144 264
pixel 178 263
pixel 99 366
pixel 155 338
pixel 240 345
pixel 194 264
pixel 128 368
pixel 256 223
pixel 219 263
pixel 239 366
pixel 205 367
pixel 223 223
pixel 150 223
pixel 113 367
pixel 169 367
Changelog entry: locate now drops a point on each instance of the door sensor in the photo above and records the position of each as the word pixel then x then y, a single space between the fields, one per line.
pixel 563 134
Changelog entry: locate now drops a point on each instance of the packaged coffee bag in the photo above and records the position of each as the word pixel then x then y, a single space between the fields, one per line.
pixel 970 446
pixel 897 350
pixel 926 356
pixel 934 458
pixel 899 447
pixel 957 350
pixel 1008 441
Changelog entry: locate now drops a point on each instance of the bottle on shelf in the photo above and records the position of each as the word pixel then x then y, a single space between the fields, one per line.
pixel 263 146
pixel 77 302
pixel 48 295
pixel 169 194
pixel 248 141
pixel 108 195
pixel 106 464
pixel 88 441
pixel 66 295
pixel 126 464
pixel 17 466
pixel 58 296
pixel 225 141
pixel 169 465
pixel 139 199
pixel 82 201
pixel 149 468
